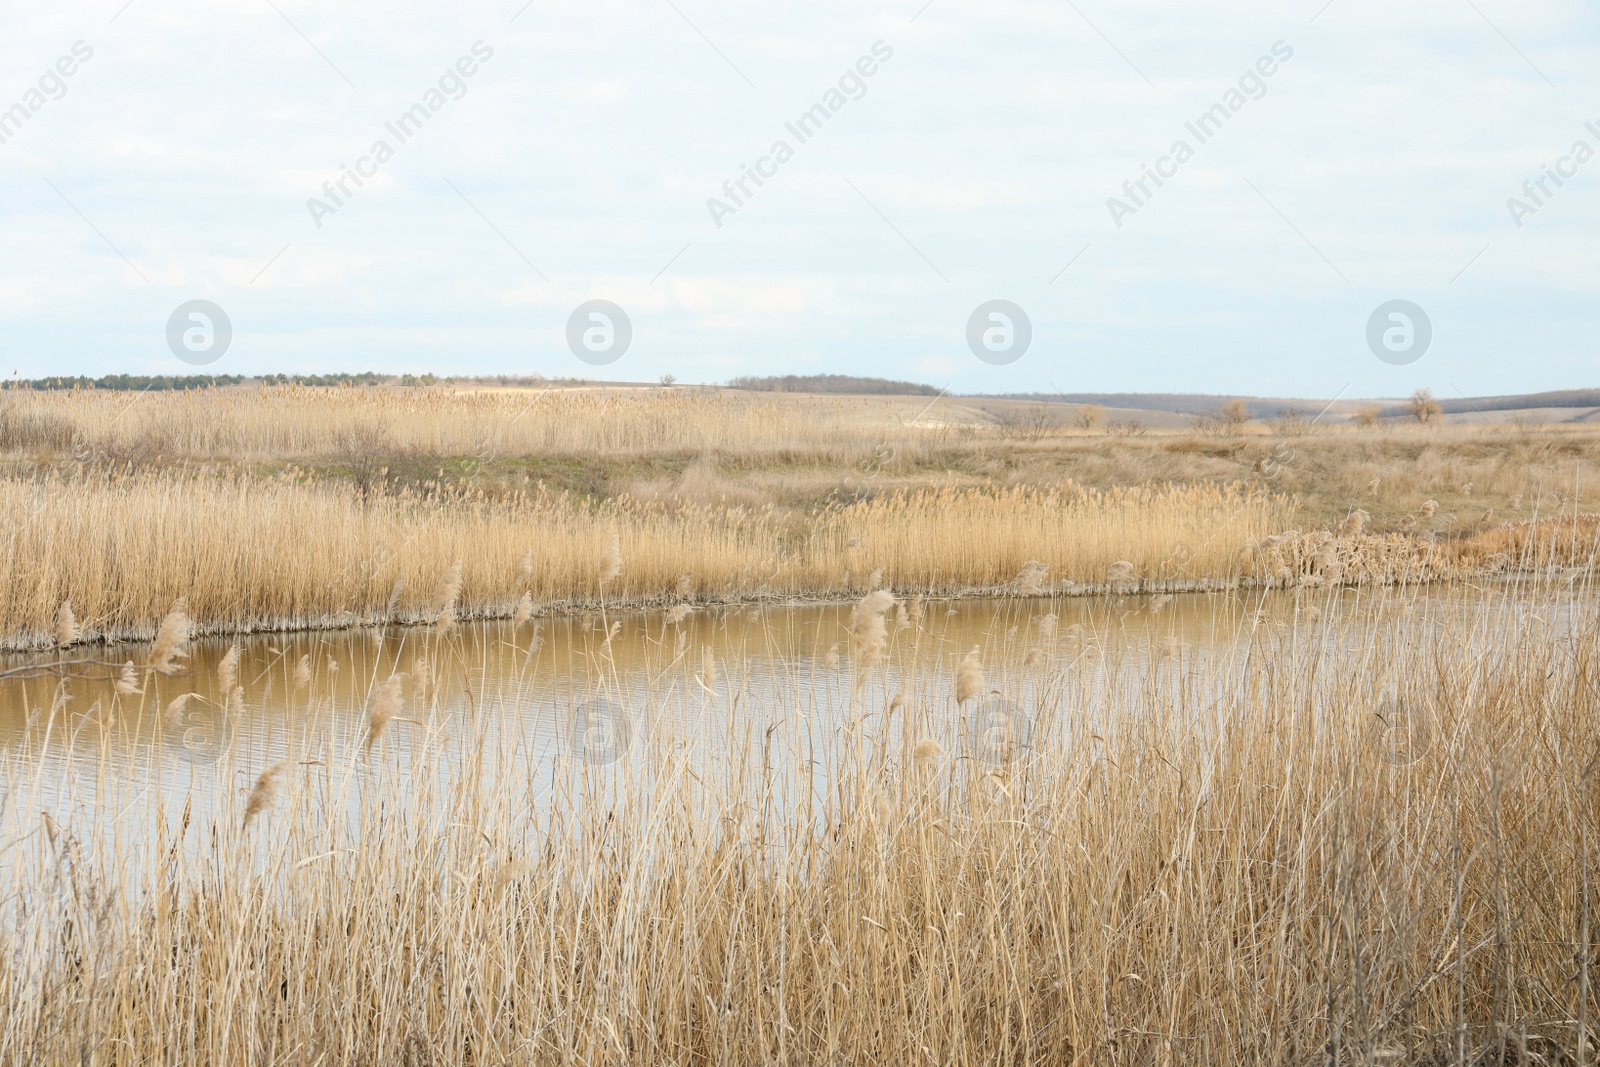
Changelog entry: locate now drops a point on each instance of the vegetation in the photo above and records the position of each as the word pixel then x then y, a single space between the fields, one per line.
pixel 1365 839
pixel 832 383
pixel 329 380
pixel 128 382
pixel 289 505
pixel 1423 407
pixel 164 382
pixel 290 553
pixel 1356 830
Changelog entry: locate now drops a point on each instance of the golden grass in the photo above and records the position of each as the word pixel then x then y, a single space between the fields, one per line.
pixel 253 424
pixel 1366 842
pixel 288 506
pixel 252 554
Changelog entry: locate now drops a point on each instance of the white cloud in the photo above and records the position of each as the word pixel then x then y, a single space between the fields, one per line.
pixel 989 143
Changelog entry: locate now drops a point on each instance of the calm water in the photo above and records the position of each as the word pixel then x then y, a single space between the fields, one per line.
pixel 606 690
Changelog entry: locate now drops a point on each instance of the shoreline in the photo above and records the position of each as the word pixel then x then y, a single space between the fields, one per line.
pixel 34 646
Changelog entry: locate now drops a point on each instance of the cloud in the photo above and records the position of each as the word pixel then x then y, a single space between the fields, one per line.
pixel 987 148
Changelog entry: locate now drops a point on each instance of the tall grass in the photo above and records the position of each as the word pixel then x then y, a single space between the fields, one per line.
pixel 303 422
pixel 1365 839
pixel 251 554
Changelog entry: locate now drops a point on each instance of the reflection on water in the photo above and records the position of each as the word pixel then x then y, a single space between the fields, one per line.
pixel 609 689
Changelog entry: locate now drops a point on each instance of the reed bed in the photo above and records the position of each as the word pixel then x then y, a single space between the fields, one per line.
pixel 1365 837
pixel 274 422
pixel 250 554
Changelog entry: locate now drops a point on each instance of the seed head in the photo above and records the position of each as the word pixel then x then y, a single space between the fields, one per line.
pixel 969 677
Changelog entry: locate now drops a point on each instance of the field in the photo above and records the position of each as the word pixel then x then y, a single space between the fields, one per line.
pixel 295 507
pixel 1342 814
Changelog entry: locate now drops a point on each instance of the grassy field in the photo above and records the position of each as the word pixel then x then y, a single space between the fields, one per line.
pixel 1368 841
pixel 292 506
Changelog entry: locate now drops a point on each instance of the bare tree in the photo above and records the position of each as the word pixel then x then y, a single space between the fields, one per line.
pixel 1423 407
pixel 1224 421
pixel 1031 423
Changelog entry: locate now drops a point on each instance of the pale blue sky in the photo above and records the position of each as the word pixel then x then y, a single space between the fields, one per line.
pixel 976 165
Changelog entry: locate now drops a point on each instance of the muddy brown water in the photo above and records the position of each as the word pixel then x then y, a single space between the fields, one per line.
pixel 601 689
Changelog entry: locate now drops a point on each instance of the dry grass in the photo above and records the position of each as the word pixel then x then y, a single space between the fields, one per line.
pixel 289 506
pixel 256 554
pixel 1365 842
pixel 277 422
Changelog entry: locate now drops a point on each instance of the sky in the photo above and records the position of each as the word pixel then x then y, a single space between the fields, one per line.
pixel 1359 152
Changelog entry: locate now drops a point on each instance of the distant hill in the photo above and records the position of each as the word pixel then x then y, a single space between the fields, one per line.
pixel 1260 407
pixel 1563 398
pixel 1180 403
pixel 832 383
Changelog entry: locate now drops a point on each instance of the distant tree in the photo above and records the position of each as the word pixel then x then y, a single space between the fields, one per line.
pixel 832 383
pixel 1423 407
pixel 1031 423
pixel 669 380
pixel 131 382
pixel 1225 420
pixel 1233 414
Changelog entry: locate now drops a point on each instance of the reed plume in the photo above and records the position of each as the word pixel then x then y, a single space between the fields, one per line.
pixel 385 706
pixel 127 683
pixel 1354 523
pixel 67 632
pixel 969 677
pixel 177 706
pixel 228 669
pixel 524 610
pixel 396 591
pixel 172 640
pixel 265 791
pixel 868 631
pixel 445 596
pixel 302 673
pixel 1031 578
pixel 611 560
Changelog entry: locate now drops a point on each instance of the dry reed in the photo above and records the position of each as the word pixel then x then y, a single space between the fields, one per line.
pixel 296 555
pixel 1371 842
